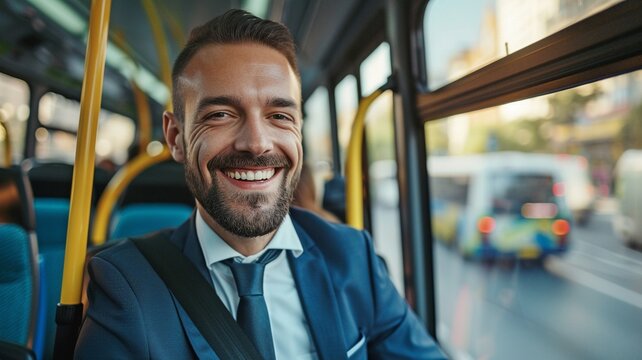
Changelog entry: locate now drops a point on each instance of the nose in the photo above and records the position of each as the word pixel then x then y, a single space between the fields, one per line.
pixel 254 136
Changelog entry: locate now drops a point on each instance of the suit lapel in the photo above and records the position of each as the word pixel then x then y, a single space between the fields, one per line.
pixel 185 239
pixel 318 299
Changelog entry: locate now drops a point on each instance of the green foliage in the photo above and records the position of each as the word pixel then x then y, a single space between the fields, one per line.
pixel 437 137
pixel 523 135
pixel 566 105
pixel 631 133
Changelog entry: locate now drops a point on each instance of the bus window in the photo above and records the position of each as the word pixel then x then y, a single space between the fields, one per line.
pixel 380 145
pixel 317 138
pixel 375 69
pixel 491 29
pixel 56 139
pixel 14 111
pixel 452 189
pixel 511 192
pixel 544 247
pixel 346 97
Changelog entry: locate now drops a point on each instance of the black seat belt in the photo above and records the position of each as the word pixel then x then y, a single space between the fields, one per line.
pixel 198 298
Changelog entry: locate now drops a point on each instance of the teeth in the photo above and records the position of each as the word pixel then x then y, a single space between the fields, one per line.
pixel 251 175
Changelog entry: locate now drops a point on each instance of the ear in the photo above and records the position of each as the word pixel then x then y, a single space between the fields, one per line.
pixel 173 130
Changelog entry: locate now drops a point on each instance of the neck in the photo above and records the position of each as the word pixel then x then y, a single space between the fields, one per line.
pixel 245 246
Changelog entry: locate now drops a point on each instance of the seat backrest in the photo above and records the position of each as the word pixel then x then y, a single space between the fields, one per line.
pixel 334 197
pixel 160 183
pixel 52 215
pixel 51 184
pixel 16 284
pixel 20 283
pixel 157 198
pixel 50 179
pixel 10 351
pixel 140 219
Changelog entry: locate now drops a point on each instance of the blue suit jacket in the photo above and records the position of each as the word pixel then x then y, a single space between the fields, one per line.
pixel 351 305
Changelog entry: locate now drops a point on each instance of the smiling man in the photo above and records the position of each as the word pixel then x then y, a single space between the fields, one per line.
pixel 322 292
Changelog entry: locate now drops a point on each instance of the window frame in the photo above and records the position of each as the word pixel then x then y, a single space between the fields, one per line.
pixel 606 44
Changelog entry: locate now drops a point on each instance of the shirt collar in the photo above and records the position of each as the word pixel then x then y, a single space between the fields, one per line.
pixel 215 249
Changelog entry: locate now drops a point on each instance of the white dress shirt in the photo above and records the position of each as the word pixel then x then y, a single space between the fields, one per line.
pixel 290 329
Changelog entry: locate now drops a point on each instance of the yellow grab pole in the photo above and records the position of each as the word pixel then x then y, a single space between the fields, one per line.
pixel 354 184
pixel 161 46
pixel 83 176
pixel 69 311
pixel 140 99
pixel 144 118
pixel 116 186
pixel 175 27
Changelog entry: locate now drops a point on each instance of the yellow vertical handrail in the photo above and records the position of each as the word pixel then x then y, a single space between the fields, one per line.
pixel 144 115
pixel 175 27
pixel 354 176
pixel 83 176
pixel 144 118
pixel 115 188
pixel 161 47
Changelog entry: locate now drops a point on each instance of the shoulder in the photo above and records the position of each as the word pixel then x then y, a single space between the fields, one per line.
pixel 336 241
pixel 121 254
pixel 319 227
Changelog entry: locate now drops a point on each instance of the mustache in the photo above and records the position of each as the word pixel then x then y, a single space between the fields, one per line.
pixel 240 160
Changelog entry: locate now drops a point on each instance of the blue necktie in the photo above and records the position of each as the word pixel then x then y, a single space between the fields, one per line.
pixel 252 314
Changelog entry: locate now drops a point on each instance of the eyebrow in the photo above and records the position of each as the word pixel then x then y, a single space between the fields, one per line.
pixel 282 103
pixel 236 102
pixel 217 100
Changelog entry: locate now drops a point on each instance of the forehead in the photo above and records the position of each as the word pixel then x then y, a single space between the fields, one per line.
pixel 239 65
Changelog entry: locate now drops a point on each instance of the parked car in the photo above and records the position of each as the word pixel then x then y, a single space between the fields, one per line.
pixel 627 221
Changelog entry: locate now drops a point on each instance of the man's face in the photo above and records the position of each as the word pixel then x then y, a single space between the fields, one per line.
pixel 241 136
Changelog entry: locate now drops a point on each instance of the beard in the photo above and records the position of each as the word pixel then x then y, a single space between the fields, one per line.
pixel 260 213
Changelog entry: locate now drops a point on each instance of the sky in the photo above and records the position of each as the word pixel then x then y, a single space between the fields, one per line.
pixel 461 20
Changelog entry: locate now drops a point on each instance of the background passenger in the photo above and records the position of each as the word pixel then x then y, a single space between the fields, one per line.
pixel 305 196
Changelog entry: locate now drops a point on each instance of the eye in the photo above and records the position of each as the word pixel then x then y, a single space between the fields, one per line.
pixel 279 116
pixel 216 115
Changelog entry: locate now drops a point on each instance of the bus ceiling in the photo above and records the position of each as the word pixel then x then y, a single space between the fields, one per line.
pixel 53 32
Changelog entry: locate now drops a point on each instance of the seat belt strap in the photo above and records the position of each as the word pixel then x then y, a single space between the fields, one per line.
pixel 197 297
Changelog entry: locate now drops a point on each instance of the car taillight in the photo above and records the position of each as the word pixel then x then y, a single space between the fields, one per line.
pixel 560 227
pixel 558 189
pixel 486 225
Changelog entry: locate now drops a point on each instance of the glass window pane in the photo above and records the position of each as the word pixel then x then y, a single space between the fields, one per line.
pixel 317 138
pixel 384 188
pixel 56 140
pixel 490 29
pixel 536 213
pixel 14 113
pixel 375 69
pixel 347 101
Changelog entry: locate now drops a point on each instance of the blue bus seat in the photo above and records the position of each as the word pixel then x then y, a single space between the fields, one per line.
pixel 140 219
pixel 50 179
pixel 52 215
pixel 10 351
pixel 17 284
pixel 157 198
pixel 160 183
pixel 51 185
pixel 21 287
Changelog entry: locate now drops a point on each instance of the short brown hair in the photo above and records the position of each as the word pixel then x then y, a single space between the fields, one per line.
pixel 235 26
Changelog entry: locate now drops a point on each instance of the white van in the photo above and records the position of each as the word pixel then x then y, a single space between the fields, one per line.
pixel 504 204
pixel 627 221
pixel 578 188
